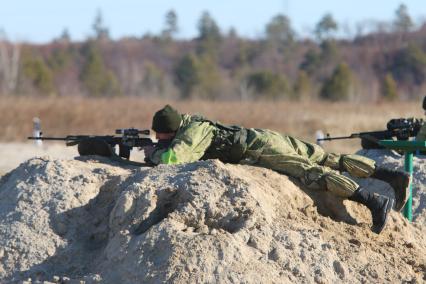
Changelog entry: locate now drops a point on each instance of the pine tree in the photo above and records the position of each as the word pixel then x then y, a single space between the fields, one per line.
pixel 209 35
pixel 338 86
pixel 311 62
pixel 210 83
pixel 389 88
pixel 65 36
pixel 268 85
pixel 98 80
pixel 101 31
pixel 409 65
pixel 326 27
pixel 153 80
pixel 302 86
pixel 403 22
pixel 186 75
pixel 279 31
pixel 40 75
pixel 198 77
pixel 171 25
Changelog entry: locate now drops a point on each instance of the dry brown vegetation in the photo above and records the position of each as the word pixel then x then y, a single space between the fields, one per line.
pixel 102 116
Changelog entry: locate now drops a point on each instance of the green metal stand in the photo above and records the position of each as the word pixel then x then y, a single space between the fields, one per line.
pixel 408 166
pixel 409 147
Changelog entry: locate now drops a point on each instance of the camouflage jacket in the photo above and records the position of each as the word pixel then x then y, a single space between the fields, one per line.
pixel 421 136
pixel 198 139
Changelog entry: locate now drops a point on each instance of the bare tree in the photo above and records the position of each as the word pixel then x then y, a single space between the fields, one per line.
pixel 9 64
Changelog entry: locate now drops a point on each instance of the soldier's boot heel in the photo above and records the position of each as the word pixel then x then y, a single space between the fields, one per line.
pixel 379 206
pixel 399 181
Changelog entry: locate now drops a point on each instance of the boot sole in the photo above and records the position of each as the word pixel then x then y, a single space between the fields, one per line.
pixel 388 206
pixel 400 205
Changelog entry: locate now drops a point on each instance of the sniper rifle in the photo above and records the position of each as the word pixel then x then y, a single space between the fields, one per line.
pixel 125 139
pixel 399 128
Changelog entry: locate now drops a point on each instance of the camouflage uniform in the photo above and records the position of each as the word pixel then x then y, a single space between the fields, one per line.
pixel 421 136
pixel 198 138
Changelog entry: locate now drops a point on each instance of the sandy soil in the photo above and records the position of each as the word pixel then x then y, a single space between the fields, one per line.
pixel 92 221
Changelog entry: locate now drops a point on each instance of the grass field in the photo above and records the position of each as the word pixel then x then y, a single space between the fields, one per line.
pixel 102 116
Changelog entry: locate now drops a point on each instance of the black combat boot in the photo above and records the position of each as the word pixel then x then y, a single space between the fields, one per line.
pixel 399 181
pixel 379 206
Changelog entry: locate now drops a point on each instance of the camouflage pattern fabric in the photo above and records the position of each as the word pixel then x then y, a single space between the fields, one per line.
pixel 192 140
pixel 307 162
pixel 421 136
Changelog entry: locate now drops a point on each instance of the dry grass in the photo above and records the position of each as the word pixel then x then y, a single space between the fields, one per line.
pixel 102 116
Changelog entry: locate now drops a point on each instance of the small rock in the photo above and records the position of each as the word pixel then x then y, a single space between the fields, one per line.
pixel 355 242
pixel 373 274
pixel 203 229
pixel 189 229
pixel 276 254
pixel 92 279
pixel 320 279
pixel 325 246
pixel 339 269
pixel 290 245
pixel 296 272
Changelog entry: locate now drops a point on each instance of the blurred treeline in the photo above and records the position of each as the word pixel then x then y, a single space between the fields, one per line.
pixel 387 62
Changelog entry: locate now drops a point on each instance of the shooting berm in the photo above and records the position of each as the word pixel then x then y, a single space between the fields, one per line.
pixel 283 143
pixel 66 219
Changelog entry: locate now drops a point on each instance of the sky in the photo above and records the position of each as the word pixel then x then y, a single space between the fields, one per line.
pixel 42 20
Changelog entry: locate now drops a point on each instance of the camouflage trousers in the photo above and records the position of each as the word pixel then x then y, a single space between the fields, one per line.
pixel 421 136
pixel 307 162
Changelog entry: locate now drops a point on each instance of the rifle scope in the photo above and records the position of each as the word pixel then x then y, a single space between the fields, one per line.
pixel 131 131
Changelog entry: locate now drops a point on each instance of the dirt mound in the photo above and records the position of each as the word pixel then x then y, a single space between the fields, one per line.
pixel 76 220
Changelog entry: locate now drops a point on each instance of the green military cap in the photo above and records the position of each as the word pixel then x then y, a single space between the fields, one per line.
pixel 166 120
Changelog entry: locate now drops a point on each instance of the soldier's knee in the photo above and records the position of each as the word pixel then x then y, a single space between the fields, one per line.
pixel 355 165
pixel 339 184
pixel 358 166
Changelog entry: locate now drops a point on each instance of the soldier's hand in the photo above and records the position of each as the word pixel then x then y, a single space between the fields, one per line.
pixel 148 150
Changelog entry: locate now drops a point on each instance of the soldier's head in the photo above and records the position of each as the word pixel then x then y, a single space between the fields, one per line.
pixel 166 122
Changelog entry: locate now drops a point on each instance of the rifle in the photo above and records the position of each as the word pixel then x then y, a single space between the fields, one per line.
pixel 399 128
pixel 126 139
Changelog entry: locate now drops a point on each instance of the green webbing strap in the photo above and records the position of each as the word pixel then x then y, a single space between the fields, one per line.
pixel 169 157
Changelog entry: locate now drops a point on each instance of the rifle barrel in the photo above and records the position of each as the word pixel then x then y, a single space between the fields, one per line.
pixel 50 138
pixel 338 138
